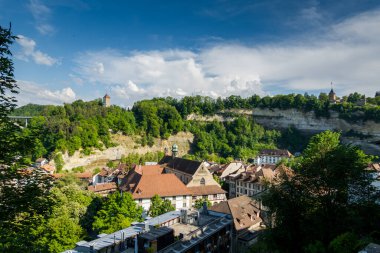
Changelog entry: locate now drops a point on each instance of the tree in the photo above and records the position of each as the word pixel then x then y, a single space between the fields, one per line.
pixel 159 206
pixel 199 203
pixel 117 212
pixel 58 160
pixel 327 196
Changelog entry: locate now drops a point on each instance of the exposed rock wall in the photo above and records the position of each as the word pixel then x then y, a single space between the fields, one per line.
pixel 308 122
pixel 126 145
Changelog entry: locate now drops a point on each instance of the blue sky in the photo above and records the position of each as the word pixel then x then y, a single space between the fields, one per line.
pixel 133 50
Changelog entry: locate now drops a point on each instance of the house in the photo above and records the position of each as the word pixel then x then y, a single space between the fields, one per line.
pixel 49 169
pixel 271 156
pixel 83 176
pixel 196 176
pixel 246 219
pixel 103 189
pixel 231 168
pixel 253 181
pixel 106 175
pixel 176 231
pixel 146 181
pixel 40 162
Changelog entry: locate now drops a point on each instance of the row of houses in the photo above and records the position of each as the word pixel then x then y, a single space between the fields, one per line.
pixel 178 180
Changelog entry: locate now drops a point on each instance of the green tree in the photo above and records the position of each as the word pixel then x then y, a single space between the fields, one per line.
pixel 325 197
pixel 58 160
pixel 159 206
pixel 199 203
pixel 117 212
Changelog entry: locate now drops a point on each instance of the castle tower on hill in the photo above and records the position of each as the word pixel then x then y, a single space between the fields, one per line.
pixel 106 101
pixel 332 96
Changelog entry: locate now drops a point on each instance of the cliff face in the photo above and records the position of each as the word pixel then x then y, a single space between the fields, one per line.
pixel 366 134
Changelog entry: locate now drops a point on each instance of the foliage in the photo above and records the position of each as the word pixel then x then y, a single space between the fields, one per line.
pixel 135 158
pixel 329 194
pixel 58 160
pixel 117 212
pixel 159 206
pixel 199 203
pixel 241 138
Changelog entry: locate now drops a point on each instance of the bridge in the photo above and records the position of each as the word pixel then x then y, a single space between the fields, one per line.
pixel 26 118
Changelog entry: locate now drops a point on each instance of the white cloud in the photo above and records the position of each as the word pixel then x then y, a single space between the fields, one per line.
pixel 31 92
pixel 28 51
pixel 347 55
pixel 41 14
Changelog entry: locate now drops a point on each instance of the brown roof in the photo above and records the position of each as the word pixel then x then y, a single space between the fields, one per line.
pixel 105 172
pixel 82 175
pixel 243 210
pixel 181 164
pixel 276 152
pixel 149 169
pixel 103 187
pixel 206 190
pixel 161 184
pixel 48 168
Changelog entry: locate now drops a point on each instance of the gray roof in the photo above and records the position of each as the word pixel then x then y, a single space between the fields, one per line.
pixel 110 239
pixel 183 165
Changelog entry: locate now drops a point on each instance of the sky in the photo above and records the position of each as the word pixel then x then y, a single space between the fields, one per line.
pixel 74 49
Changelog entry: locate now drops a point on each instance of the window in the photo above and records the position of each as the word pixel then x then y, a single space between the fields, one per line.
pixel 173 197
pixel 203 181
pixel 215 196
pixel 184 204
pixel 140 201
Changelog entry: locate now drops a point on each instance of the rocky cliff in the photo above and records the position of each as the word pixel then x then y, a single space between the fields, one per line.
pixel 364 134
pixel 126 145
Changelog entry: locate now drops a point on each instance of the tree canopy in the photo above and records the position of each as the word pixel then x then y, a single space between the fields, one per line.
pixel 159 206
pixel 329 195
pixel 117 212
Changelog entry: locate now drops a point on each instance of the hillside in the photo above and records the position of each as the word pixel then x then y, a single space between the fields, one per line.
pixel 222 129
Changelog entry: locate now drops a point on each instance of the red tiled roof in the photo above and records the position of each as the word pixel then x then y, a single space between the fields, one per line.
pixel 82 175
pixel 103 187
pixel 163 185
pixel 206 190
pixel 48 168
pixel 149 169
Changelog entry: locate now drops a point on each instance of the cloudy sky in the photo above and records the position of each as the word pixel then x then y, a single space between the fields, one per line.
pixel 75 49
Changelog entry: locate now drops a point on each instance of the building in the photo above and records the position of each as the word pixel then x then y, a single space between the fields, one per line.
pixel 377 94
pixel 103 189
pixel 255 180
pixel 40 162
pixel 83 176
pixel 106 101
pixel 246 219
pixel 196 176
pixel 205 231
pixel 332 96
pixel 231 168
pixel 49 169
pixel 271 156
pixel 106 175
pixel 146 181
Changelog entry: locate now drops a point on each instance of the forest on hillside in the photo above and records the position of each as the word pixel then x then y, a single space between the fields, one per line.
pixel 88 125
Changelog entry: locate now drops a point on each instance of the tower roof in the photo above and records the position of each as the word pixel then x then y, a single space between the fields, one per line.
pixel 107 96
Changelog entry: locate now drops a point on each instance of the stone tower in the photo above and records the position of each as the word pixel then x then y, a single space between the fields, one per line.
pixel 332 96
pixel 174 150
pixel 106 101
